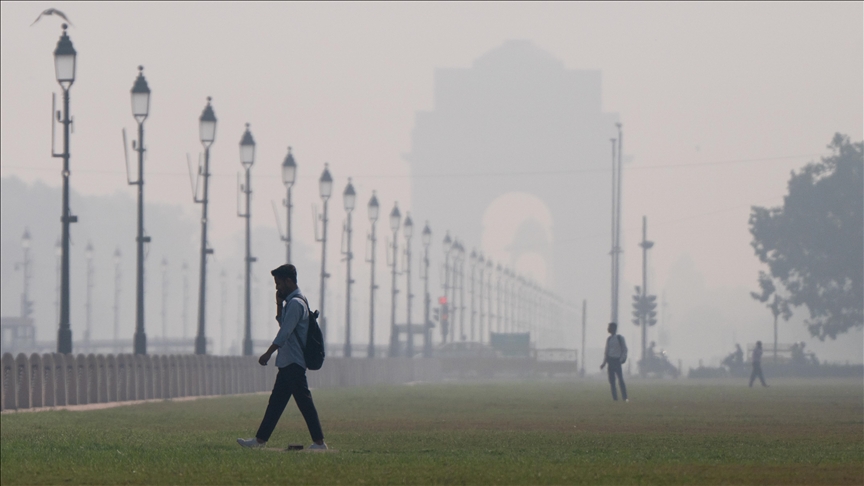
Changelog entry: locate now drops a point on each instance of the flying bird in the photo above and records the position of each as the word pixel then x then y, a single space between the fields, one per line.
pixel 52 11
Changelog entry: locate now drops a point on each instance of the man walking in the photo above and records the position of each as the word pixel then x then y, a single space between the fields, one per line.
pixel 292 313
pixel 615 356
pixel 757 365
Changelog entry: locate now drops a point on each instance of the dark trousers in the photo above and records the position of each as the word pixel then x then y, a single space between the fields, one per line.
pixel 615 370
pixel 291 380
pixel 757 371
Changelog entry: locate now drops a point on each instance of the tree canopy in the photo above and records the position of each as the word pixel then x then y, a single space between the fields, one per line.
pixel 814 243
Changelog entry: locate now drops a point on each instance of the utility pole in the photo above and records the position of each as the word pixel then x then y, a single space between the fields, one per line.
pixel 644 304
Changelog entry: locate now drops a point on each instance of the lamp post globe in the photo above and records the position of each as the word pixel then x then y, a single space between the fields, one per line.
pixel 247 149
pixel 395 218
pixel 88 252
pixel 140 97
pixel 349 197
pixel 426 235
pixel 289 170
pixel 25 239
pixel 207 125
pixel 373 208
pixel 408 226
pixel 325 183
pixel 64 61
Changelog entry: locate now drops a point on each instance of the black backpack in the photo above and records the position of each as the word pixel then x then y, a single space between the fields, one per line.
pixel 313 350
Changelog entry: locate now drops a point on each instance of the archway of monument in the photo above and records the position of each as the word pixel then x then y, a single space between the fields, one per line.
pixel 517 230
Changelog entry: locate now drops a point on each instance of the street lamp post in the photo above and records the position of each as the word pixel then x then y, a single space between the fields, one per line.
pixel 26 305
pixel 64 67
pixel 88 254
pixel 247 158
pixel 207 135
pixel 373 217
pixel 472 259
pixel 117 280
pixel 460 260
pixel 289 174
pixel 481 266
pixel 140 110
pixel 395 221
pixel 325 188
pixel 490 315
pixel 408 230
pixel 349 198
pixel 427 326
pixel 445 314
pixel 498 314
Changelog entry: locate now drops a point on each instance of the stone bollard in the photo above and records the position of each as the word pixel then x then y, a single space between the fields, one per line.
pixel 140 379
pixel 22 380
pixel 83 381
pixel 111 366
pixel 61 397
pixel 131 378
pixel 10 399
pixel 92 379
pixel 36 391
pixel 48 380
pixel 156 373
pixel 102 373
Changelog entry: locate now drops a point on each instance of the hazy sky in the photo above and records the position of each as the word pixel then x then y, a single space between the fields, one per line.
pixel 763 84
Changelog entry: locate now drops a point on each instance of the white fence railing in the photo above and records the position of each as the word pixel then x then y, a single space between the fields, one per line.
pixel 51 380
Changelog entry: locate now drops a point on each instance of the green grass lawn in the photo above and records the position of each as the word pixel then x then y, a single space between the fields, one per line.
pixel 514 433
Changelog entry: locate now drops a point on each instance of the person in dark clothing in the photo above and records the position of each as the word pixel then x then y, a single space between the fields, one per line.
pixel 292 313
pixel 615 355
pixel 757 365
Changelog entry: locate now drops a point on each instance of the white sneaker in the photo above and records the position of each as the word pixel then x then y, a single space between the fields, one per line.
pixel 253 442
pixel 314 447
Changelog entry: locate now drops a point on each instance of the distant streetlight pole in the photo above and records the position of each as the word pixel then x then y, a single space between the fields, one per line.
pixel 164 299
pixel 460 260
pixel 117 280
pixel 445 314
pixel 88 254
pixel 408 230
pixel 207 135
pixel 58 251
pixel 472 260
pixel 289 174
pixel 247 158
pixel 26 304
pixel 373 209
pixel 427 328
pixel 325 189
pixel 64 67
pixel 349 198
pixel 481 264
pixel 498 313
pixel 395 221
pixel 140 110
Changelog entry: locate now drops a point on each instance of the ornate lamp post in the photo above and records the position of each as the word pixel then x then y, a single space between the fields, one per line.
pixel 373 218
pixel 349 198
pixel 395 221
pixel 289 174
pixel 408 231
pixel 207 134
pixel 325 189
pixel 247 158
pixel 88 254
pixel 447 245
pixel 427 331
pixel 26 304
pixel 140 110
pixel 117 280
pixel 64 68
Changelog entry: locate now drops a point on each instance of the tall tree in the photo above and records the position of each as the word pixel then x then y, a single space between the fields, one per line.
pixel 814 243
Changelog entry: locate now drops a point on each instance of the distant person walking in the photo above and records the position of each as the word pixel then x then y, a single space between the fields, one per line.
pixel 615 356
pixel 292 313
pixel 757 365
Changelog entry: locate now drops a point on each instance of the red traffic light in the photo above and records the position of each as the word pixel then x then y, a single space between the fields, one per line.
pixel 442 300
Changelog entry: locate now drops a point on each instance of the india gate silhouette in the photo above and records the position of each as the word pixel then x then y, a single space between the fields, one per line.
pixel 515 158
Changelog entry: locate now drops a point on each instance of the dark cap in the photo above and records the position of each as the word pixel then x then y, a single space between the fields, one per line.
pixel 285 271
